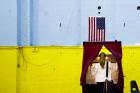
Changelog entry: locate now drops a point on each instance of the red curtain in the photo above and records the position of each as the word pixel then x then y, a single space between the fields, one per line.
pixel 116 50
pixel 91 50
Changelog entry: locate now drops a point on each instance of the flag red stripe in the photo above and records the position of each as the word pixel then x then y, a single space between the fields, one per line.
pixel 94 28
pixel 101 35
pixel 89 29
pixel 97 35
pixel 95 31
pixel 100 32
pixel 104 35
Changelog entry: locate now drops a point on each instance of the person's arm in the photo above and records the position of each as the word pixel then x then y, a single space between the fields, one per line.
pixel 94 69
pixel 116 67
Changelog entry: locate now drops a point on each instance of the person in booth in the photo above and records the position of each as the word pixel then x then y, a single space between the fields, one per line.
pixel 102 73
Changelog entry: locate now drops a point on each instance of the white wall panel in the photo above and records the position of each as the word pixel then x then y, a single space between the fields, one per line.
pixel 8 20
pixel 49 22
pixel 59 22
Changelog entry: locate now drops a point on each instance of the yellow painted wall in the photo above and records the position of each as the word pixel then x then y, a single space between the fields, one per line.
pixel 8 60
pixel 53 69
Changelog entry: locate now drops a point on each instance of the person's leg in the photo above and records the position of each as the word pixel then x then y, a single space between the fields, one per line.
pixel 100 87
pixel 111 87
pixel 91 88
pixel 87 90
pixel 84 89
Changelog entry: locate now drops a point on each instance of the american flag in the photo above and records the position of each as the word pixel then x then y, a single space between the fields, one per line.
pixel 97 29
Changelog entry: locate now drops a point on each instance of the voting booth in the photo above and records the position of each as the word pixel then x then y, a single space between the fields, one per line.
pixel 90 56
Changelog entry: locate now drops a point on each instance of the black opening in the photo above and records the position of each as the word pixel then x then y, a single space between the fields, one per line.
pixel 138 7
pixel 99 7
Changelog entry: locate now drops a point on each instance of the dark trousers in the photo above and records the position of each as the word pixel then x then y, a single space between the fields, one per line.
pixel 105 87
pixel 91 88
pixel 100 87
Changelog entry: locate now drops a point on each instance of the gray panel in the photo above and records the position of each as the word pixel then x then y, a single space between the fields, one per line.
pixel 59 22
pixel 128 20
pixel 8 26
pixel 49 22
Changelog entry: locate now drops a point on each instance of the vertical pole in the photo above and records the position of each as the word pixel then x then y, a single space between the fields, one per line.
pixel 22 22
pixel 19 39
pixel 33 22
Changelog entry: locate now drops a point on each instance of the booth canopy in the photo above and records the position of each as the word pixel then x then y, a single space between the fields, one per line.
pixel 91 51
